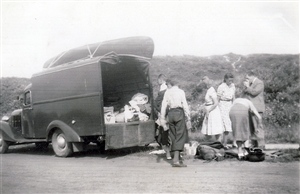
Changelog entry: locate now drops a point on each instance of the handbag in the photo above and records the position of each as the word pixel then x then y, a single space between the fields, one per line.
pixel 256 155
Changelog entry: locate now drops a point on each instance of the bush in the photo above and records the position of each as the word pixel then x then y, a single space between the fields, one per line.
pixel 11 88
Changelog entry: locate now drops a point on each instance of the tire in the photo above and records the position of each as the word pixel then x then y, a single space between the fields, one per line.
pixel 41 145
pixel 3 144
pixel 61 147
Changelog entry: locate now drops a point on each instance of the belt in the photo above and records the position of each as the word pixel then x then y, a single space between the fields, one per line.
pixel 208 104
pixel 176 108
pixel 226 100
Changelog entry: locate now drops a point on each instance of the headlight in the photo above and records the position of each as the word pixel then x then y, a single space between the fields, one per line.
pixel 5 118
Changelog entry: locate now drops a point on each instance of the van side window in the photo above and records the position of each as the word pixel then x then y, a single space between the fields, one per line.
pixel 27 100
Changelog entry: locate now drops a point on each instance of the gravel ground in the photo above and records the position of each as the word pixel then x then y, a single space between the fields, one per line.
pixel 28 170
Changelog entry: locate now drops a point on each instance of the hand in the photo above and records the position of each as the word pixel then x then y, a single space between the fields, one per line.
pixel 246 83
pixel 207 113
pixel 165 127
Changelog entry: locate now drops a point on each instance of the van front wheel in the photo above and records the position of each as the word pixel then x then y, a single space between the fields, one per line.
pixel 61 147
pixel 3 144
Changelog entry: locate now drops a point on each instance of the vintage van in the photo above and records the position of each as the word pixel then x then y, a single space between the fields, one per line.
pixel 98 93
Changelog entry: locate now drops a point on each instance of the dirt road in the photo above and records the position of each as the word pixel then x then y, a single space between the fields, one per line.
pixel 27 170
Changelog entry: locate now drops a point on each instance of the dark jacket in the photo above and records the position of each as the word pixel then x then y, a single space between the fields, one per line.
pixel 158 101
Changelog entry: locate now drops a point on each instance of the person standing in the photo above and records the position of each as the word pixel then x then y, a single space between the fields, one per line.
pixel 254 91
pixel 175 109
pixel 239 115
pixel 163 134
pixel 212 123
pixel 226 95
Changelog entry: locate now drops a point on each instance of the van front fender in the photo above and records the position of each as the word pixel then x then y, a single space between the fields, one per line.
pixel 6 131
pixel 71 135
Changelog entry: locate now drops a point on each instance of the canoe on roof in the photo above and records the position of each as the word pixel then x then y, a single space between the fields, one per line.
pixel 139 46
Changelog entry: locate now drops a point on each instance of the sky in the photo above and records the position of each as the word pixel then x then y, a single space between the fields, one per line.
pixel 33 31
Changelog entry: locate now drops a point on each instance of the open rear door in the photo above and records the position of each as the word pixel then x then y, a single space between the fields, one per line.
pixel 122 135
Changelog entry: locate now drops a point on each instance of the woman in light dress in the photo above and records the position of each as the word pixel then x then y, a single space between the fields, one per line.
pixel 212 123
pixel 226 95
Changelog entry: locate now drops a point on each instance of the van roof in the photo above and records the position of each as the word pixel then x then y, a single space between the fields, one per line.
pixel 139 46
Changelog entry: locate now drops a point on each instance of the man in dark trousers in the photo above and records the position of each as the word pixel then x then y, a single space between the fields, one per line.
pixel 254 91
pixel 175 103
pixel 162 134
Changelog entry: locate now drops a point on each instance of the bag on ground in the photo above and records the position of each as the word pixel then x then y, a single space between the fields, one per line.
pixel 207 152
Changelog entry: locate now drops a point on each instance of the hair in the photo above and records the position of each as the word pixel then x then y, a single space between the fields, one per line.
pixel 205 77
pixel 251 73
pixel 227 76
pixel 162 76
pixel 172 82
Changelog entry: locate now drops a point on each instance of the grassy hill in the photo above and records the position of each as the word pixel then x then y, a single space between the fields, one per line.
pixel 280 74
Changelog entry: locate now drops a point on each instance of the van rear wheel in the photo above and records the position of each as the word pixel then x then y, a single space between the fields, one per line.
pixel 3 144
pixel 61 146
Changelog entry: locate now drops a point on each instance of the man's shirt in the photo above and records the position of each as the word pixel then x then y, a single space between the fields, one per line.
pixel 174 98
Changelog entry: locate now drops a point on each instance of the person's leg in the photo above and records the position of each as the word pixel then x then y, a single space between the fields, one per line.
pixel 240 150
pixel 260 136
pixel 180 134
pixel 167 150
pixel 225 137
pixel 218 137
pixel 165 143
pixel 176 157
pixel 234 144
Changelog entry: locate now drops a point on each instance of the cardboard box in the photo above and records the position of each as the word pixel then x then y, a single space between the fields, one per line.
pixel 109 118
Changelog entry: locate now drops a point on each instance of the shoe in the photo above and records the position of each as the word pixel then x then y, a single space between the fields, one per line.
pixel 242 156
pixel 177 164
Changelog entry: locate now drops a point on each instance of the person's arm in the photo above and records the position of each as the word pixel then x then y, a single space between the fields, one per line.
pixel 257 89
pixel 233 95
pixel 219 92
pixel 164 105
pixel 216 102
pixel 185 106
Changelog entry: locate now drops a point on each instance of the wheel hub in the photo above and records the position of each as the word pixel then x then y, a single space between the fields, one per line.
pixel 61 141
